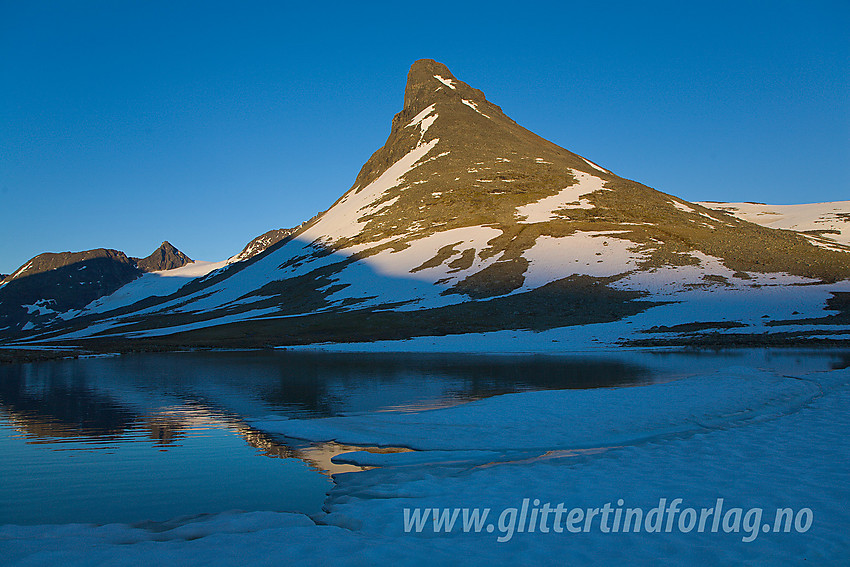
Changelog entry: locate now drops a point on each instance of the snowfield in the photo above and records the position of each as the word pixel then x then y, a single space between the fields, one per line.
pixel 832 217
pixel 151 284
pixel 596 254
pixel 343 220
pixel 687 297
pixel 758 440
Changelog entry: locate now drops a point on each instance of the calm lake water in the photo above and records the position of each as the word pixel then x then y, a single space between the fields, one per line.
pixel 156 436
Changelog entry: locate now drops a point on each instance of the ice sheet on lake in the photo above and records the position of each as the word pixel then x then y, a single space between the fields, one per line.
pixel 749 437
pixel 570 419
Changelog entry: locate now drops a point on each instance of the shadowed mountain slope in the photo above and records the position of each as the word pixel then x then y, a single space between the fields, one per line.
pixel 52 284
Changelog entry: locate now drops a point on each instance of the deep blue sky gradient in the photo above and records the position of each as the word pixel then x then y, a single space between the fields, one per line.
pixel 123 124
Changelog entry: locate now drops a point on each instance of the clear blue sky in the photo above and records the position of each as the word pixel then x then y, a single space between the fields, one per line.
pixel 123 124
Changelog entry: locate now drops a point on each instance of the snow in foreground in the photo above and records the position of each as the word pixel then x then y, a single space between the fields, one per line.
pixel 753 438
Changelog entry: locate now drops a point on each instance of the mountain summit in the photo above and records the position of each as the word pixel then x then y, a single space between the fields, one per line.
pixel 465 221
pixel 166 257
pixel 453 160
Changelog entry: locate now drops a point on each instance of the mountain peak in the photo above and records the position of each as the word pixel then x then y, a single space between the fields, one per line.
pixel 430 81
pixel 166 257
pixel 423 76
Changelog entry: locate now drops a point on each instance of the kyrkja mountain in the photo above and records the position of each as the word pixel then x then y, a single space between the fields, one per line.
pixel 466 224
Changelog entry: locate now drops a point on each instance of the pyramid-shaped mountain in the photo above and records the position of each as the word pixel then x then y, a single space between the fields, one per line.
pixel 166 257
pixel 454 160
pixel 465 221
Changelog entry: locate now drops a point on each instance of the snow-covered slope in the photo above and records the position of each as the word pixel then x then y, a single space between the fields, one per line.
pixel 465 222
pixel 152 284
pixel 825 224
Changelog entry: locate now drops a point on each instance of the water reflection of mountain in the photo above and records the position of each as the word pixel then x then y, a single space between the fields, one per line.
pixel 73 411
pixel 322 383
pixel 48 409
pixel 163 396
pixel 57 405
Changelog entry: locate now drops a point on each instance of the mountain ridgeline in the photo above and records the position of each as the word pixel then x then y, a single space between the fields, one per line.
pixel 54 283
pixel 462 222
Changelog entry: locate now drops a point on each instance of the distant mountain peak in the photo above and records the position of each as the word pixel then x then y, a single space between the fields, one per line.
pixel 166 257
pixel 262 243
pixel 49 261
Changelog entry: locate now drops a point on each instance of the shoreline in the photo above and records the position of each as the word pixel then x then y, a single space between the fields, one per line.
pixel 19 354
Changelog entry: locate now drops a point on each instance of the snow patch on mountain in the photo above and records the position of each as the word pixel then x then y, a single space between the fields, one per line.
pixel 448 82
pixel 421 116
pixel 594 166
pixel 403 277
pixel 707 273
pixel 292 260
pixel 597 254
pixel 235 318
pixel 474 107
pixel 344 219
pixel 40 307
pixel 832 218
pixel 571 197
pixel 401 263
pixel 683 207
pixel 424 120
pixel 19 271
pixel 746 305
pixel 161 283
